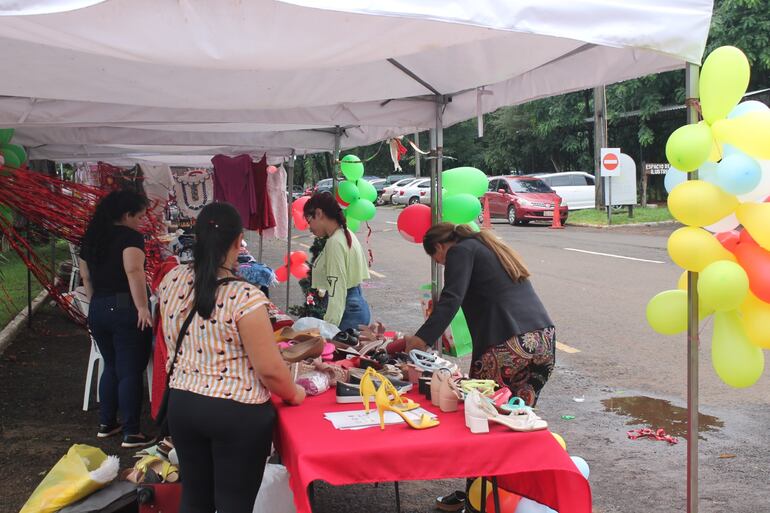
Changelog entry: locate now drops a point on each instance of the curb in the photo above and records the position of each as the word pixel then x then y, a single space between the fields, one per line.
pixel 627 225
pixel 16 325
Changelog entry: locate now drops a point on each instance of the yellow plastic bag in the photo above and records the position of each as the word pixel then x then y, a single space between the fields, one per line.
pixel 79 473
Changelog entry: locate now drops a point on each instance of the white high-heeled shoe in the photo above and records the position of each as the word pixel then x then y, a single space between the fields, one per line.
pixel 479 411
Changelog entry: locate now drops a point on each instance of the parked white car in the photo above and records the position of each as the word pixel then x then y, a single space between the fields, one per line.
pixel 576 188
pixel 416 192
pixel 389 191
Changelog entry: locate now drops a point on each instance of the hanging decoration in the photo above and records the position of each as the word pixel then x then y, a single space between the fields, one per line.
pixel 730 151
pixel 294 263
pixel 355 195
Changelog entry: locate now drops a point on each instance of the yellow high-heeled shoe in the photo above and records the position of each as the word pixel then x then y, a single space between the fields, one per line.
pixel 368 390
pixel 384 404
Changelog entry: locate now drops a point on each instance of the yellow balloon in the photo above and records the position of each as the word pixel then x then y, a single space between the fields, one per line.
pixel 755 217
pixel 474 493
pixel 704 310
pixel 724 78
pixel 560 440
pixel 737 361
pixel 667 312
pixel 755 315
pixel 716 151
pixel 689 146
pixel 681 283
pixel 749 133
pixel 723 285
pixel 699 203
pixel 694 248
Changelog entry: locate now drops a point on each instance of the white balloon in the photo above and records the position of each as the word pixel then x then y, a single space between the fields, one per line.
pixel 724 225
pixel 582 465
pixel 708 172
pixel 762 190
pixel 673 178
pixel 529 506
pixel 745 108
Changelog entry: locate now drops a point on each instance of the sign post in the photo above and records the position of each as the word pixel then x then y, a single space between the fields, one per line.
pixel 610 166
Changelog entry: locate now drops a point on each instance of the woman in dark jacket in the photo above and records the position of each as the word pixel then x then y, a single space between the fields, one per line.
pixel 514 340
pixel 112 267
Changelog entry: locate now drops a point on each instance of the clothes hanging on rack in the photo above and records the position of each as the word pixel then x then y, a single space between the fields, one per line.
pixel 234 183
pixel 193 191
pixel 87 174
pixel 262 216
pixel 158 182
pixel 276 189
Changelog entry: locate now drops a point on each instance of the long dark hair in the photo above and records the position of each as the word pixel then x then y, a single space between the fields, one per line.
pixel 448 232
pixel 217 227
pixel 331 209
pixel 109 210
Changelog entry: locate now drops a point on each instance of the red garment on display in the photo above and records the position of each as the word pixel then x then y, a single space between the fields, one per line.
pixel 532 464
pixel 160 352
pixel 262 218
pixel 234 183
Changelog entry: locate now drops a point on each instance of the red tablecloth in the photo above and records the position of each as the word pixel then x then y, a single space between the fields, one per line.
pixel 530 464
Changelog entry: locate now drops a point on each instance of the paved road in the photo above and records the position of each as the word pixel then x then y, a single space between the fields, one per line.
pixel 596 284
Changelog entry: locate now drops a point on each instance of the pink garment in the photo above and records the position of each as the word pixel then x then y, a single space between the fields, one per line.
pixel 276 189
pixel 234 183
pixel 262 217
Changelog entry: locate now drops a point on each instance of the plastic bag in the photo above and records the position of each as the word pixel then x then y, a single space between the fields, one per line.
pixel 456 340
pixel 274 494
pixel 79 473
pixel 314 382
pixel 327 329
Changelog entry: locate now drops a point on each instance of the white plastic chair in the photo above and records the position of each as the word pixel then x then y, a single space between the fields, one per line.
pixel 75 273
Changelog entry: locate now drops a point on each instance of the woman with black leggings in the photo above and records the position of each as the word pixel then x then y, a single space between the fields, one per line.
pixel 227 365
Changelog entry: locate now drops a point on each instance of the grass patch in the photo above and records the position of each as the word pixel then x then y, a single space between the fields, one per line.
pixel 13 273
pixel 641 216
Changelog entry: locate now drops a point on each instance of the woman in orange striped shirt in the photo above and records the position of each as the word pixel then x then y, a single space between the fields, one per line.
pixel 227 364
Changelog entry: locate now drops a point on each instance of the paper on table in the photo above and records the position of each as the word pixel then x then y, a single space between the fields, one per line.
pixel 359 419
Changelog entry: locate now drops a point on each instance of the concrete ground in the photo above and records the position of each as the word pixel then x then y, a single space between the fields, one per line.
pixel 613 374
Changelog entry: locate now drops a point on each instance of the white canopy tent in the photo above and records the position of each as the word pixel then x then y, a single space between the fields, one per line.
pixel 144 78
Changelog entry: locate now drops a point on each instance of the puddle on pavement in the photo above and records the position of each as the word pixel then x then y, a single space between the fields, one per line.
pixel 658 413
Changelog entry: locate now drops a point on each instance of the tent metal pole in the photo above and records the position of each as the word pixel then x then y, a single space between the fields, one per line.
pixel 417 155
pixel 290 181
pixel 692 75
pixel 336 158
pixel 437 149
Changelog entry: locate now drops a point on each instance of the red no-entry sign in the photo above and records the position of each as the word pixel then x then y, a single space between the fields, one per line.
pixel 610 159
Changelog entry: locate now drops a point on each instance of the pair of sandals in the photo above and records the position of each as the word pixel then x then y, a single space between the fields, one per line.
pixel 152 470
pixel 431 362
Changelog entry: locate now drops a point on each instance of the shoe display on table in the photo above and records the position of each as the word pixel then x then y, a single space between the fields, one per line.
pixel 515 403
pixel 137 440
pixel 351 392
pixel 369 389
pixel 108 430
pixel 311 348
pixel 430 361
pixel 357 374
pixel 479 410
pixel 485 387
pixel 449 395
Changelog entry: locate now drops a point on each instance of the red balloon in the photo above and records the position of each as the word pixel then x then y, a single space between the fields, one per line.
pixel 299 203
pixel 729 239
pixel 342 202
pixel 300 271
pixel 745 237
pixel 298 258
pixel 297 213
pixel 756 262
pixel 508 501
pixel 282 273
pixel 414 221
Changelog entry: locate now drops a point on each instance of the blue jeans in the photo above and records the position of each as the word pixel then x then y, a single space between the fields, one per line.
pixel 356 310
pixel 125 351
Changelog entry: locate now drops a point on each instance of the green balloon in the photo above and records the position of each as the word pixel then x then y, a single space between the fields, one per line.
pixel 352 167
pixel 736 360
pixel 6 134
pixel 362 209
pixel 689 147
pixel 347 191
pixel 474 226
pixel 353 223
pixel 367 190
pixel 667 312
pixel 461 208
pixel 467 180
pixel 11 160
pixel 724 79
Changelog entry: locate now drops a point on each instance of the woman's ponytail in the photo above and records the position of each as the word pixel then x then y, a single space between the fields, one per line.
pixel 331 209
pixel 216 229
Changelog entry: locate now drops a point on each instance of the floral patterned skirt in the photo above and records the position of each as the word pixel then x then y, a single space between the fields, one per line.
pixel 523 363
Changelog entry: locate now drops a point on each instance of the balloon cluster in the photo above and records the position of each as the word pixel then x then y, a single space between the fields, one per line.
pixel 297 214
pixel 355 195
pixel 11 155
pixel 731 151
pixel 294 263
pixel 512 503
pixel 462 188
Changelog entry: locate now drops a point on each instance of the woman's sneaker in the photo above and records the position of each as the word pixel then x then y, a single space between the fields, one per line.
pixel 138 440
pixel 107 430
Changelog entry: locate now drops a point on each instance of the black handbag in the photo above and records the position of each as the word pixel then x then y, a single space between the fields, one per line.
pixel 161 419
